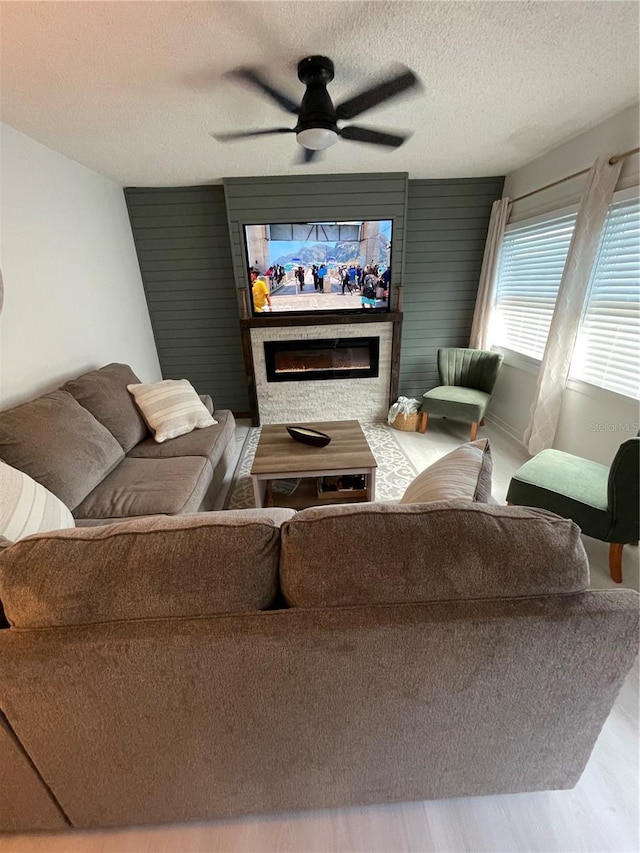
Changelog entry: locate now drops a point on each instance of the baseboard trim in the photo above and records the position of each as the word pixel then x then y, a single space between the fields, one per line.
pixel 506 428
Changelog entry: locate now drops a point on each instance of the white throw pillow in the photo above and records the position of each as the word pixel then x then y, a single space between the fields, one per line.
pixel 171 408
pixel 463 474
pixel 26 507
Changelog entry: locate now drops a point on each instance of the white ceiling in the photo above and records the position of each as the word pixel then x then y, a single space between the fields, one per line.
pixel 133 89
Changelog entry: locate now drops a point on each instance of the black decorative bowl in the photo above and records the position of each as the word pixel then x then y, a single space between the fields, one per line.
pixel 309 436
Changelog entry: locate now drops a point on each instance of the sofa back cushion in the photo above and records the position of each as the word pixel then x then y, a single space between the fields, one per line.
pixel 60 444
pixel 392 553
pixel 152 568
pixel 104 393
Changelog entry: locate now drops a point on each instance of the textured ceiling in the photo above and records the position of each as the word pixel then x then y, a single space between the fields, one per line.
pixel 133 90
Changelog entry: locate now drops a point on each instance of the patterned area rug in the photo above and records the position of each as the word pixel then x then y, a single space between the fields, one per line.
pixel 394 473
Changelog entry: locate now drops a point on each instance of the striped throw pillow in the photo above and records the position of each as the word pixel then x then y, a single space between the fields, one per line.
pixel 463 474
pixel 26 507
pixel 171 408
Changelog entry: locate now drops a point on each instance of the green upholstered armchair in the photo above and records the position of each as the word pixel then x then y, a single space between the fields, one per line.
pixel 602 501
pixel 467 379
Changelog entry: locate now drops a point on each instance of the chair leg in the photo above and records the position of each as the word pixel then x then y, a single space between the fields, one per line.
pixel 424 419
pixel 474 431
pixel 615 561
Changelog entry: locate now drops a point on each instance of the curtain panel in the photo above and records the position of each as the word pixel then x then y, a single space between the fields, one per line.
pixel 565 323
pixel 481 325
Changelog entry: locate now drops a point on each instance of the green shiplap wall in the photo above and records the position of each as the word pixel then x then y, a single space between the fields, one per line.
pixel 315 198
pixel 182 240
pixel 192 257
pixel 447 223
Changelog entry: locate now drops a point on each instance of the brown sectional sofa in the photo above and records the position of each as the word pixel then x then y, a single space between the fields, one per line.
pixel 229 663
pixel 88 444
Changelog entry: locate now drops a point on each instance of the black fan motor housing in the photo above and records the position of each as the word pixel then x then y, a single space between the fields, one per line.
pixel 316 109
pixel 315 69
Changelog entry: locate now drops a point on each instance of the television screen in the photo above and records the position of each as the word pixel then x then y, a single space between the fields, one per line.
pixel 319 266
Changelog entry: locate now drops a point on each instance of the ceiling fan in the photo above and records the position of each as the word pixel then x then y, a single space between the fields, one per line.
pixel 317 125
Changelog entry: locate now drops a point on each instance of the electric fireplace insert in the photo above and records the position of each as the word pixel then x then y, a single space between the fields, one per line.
pixel 322 358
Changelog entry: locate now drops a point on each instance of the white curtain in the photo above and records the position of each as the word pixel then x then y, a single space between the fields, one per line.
pixel 480 338
pixel 556 362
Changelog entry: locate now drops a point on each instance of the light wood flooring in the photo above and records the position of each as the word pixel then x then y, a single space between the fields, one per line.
pixel 600 815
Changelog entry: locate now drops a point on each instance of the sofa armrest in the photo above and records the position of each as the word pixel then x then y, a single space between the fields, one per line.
pixel 206 399
pixel 26 804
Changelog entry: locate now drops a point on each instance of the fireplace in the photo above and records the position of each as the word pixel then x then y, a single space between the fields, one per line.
pixel 321 358
pixel 358 392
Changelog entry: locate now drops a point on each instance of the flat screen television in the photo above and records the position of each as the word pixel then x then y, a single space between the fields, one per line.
pixel 305 267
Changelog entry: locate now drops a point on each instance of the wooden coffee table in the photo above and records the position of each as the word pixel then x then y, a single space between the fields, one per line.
pixel 279 457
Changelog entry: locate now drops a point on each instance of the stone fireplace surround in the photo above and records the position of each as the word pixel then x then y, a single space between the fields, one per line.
pixel 364 399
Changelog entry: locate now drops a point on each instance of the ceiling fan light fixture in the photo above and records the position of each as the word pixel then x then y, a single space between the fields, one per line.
pixel 317 138
pixel 316 126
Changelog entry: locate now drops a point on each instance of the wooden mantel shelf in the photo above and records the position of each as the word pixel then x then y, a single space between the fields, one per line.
pixel 320 318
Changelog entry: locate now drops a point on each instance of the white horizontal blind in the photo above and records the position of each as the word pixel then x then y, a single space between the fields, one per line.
pixel 607 352
pixel 531 264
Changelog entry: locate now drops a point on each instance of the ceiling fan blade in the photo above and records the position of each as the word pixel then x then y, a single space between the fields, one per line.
pixel 247 134
pixel 308 155
pixel 375 137
pixel 255 79
pixel 376 95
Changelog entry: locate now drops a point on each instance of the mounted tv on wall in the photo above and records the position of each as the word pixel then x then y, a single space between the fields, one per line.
pixel 306 267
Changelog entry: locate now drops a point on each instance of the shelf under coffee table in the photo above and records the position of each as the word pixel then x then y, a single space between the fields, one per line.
pixel 279 457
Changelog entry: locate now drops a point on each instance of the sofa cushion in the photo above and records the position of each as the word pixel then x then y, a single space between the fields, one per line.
pixel 456 402
pixel 209 442
pixel 149 487
pixel 197 565
pixel 383 553
pixel 463 474
pixel 104 393
pixel 26 507
pixel 60 444
pixel 171 408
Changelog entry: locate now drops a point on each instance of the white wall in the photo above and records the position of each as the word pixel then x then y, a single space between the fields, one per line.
pixel 593 422
pixel 614 136
pixel 73 294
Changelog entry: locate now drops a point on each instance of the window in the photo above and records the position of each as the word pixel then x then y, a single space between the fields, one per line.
pixel 531 264
pixel 607 351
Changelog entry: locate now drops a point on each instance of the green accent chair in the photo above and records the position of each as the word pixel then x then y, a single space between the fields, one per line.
pixel 603 501
pixel 467 380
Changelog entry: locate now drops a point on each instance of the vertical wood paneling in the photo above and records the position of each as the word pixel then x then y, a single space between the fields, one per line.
pixel 447 223
pixel 182 240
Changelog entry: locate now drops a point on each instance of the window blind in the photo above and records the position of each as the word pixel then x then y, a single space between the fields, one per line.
pixel 607 352
pixel 531 264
